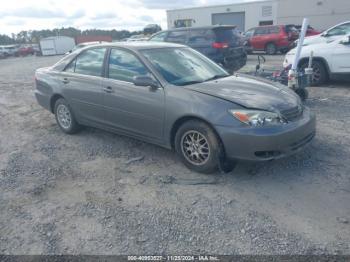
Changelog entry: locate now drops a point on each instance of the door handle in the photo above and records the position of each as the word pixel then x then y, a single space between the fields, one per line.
pixel 108 89
pixel 65 80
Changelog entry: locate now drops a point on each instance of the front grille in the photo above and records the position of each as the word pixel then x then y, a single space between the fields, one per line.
pixel 293 113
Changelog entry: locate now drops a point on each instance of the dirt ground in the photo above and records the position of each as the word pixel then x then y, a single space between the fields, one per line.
pixel 101 193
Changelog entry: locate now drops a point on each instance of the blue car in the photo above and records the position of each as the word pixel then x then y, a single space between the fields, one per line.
pixel 222 44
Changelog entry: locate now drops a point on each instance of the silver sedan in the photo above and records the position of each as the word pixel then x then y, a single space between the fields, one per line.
pixel 175 97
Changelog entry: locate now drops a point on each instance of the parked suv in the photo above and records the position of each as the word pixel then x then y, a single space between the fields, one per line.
pixel 330 61
pixel 271 39
pixel 222 44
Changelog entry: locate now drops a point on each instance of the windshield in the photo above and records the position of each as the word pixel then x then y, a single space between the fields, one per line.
pixel 183 66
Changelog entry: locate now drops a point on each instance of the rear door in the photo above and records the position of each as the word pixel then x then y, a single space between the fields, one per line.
pixel 274 34
pixel 260 38
pixel 81 84
pixel 134 109
pixel 341 58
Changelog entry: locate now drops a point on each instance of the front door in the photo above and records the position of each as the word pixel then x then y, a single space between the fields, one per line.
pixel 138 110
pixel 341 58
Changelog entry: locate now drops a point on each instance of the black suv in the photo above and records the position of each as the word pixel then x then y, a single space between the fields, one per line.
pixel 222 44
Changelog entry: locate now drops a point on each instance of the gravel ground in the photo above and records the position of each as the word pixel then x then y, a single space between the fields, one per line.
pixel 101 193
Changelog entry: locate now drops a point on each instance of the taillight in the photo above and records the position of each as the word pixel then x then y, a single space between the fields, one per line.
pixel 219 45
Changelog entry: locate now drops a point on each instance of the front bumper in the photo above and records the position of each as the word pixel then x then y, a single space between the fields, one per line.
pixel 268 143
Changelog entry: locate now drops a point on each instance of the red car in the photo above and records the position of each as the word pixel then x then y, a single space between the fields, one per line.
pixel 271 38
pixel 26 50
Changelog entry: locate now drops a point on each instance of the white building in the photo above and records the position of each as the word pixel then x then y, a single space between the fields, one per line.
pixel 56 45
pixel 322 13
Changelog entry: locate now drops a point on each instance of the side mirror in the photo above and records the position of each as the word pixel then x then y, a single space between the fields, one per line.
pixel 325 34
pixel 143 80
pixel 345 40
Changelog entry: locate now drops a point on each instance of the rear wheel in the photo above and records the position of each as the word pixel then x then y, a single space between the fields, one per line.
pixel 320 74
pixel 65 117
pixel 198 146
pixel 271 49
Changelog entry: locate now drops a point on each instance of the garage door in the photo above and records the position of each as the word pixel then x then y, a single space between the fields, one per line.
pixel 237 19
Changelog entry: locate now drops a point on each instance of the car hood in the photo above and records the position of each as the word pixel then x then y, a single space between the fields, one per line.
pixel 250 92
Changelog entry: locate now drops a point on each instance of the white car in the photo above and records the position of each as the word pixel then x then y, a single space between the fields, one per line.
pixel 329 35
pixel 331 59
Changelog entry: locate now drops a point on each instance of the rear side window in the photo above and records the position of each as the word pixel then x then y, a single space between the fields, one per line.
pixel 261 31
pixel 89 62
pixel 201 36
pixel 159 37
pixel 124 65
pixel 177 36
pixel 227 35
pixel 273 30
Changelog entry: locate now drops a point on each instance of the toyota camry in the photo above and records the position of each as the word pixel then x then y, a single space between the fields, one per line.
pixel 175 97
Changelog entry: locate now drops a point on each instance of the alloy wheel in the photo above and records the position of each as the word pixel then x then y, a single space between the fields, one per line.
pixel 64 116
pixel 195 147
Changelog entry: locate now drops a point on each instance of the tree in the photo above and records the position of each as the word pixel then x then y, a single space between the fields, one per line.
pixel 6 40
pixel 34 36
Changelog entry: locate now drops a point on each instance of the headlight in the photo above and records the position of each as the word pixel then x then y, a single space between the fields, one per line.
pixel 258 118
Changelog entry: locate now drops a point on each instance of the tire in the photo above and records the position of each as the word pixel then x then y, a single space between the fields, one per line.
pixel 271 49
pixel 320 75
pixel 65 117
pixel 194 131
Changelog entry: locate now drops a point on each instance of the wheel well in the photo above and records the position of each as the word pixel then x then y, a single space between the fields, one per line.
pixel 318 59
pixel 53 100
pixel 182 120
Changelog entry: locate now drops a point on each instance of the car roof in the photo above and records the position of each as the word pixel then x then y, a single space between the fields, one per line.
pixel 202 27
pixel 138 45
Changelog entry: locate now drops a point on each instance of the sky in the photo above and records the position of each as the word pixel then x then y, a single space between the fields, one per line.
pixel 17 15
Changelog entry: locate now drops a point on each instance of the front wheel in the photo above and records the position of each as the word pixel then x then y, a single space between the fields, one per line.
pixel 198 147
pixel 319 76
pixel 65 117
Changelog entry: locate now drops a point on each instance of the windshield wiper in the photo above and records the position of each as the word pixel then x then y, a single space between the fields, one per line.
pixel 191 83
pixel 215 77
pixel 202 81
